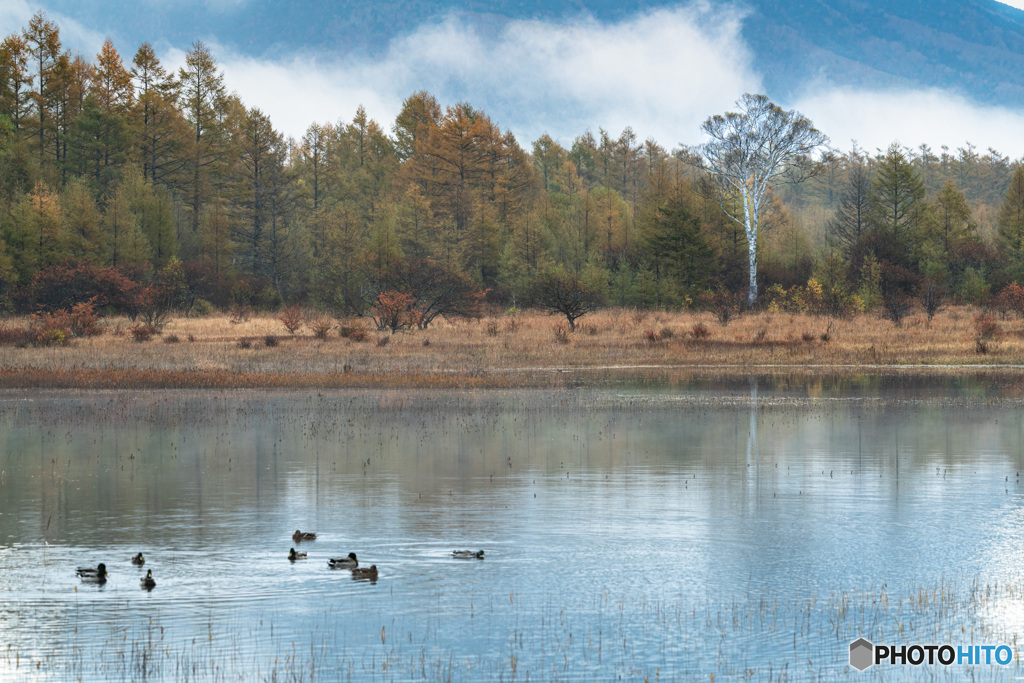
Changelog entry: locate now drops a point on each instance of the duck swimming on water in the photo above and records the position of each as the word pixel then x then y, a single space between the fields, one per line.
pixel 89 575
pixel 365 572
pixel 343 562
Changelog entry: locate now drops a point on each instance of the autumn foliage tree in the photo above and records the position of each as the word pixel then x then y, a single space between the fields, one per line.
pixel 393 311
pixel 70 283
pixel 568 294
pixel 435 289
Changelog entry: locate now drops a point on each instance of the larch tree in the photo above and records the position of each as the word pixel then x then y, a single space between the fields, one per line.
pixel 897 201
pixel 215 233
pixel 15 79
pixel 1010 222
pixel 951 218
pixel 126 245
pixel 750 150
pixel 159 126
pixel 313 151
pixel 416 228
pixel 35 234
pixel 548 157
pixel 82 222
pixel 42 39
pixel 849 222
pixel 420 112
pixel 258 146
pixel 203 97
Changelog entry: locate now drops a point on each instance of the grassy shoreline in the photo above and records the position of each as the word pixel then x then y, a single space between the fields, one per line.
pixel 528 350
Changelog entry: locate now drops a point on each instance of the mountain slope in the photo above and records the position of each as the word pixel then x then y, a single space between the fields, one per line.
pixel 975 47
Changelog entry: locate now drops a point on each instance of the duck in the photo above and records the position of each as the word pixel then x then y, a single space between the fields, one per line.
pixel 365 572
pixel 300 536
pixel 97 575
pixel 148 582
pixel 340 562
pixel 292 555
pixel 468 554
pixel 138 560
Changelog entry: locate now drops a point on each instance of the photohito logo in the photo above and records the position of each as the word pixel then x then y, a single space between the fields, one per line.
pixel 864 654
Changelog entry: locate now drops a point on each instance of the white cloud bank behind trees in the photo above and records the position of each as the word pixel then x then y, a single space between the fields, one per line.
pixel 661 72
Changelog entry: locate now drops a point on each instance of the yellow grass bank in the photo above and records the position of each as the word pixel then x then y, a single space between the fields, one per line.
pixel 530 349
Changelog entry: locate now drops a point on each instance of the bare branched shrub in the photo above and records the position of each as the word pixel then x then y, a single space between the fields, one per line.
pixel 143 332
pixel 172 339
pixel 270 341
pixel 16 336
pixel 700 331
pixel 725 305
pixel 492 328
pixel 985 328
pixel 321 327
pixel 896 306
pixel 240 314
pixel 292 318
pixel 829 332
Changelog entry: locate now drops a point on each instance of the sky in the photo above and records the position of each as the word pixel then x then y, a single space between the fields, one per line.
pixel 661 72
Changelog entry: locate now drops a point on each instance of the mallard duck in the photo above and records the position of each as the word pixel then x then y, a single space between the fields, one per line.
pixel 468 554
pixel 292 555
pixel 346 562
pixel 148 583
pixel 97 575
pixel 138 560
pixel 365 572
pixel 300 536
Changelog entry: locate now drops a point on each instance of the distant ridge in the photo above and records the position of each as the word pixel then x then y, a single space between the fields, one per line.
pixel 975 47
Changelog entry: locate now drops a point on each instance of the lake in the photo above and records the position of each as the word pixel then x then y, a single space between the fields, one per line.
pixel 648 528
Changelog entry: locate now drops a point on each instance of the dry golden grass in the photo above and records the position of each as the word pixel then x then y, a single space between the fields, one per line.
pixel 501 351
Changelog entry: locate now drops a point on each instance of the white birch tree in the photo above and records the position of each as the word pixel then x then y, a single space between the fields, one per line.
pixel 749 151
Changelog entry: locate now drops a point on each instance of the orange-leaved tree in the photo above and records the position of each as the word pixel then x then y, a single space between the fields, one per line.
pixel 393 311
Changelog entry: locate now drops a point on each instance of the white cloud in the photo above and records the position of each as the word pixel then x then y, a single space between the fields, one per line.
pixel 15 15
pixel 875 119
pixel 661 72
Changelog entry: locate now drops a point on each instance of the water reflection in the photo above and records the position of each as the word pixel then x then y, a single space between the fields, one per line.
pixel 636 515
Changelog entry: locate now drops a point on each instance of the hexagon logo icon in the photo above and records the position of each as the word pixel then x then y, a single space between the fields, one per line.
pixel 862 654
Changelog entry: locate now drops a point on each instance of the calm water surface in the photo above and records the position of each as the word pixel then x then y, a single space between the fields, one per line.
pixel 750 528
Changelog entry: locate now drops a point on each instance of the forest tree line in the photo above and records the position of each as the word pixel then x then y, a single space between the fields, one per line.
pixel 128 169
